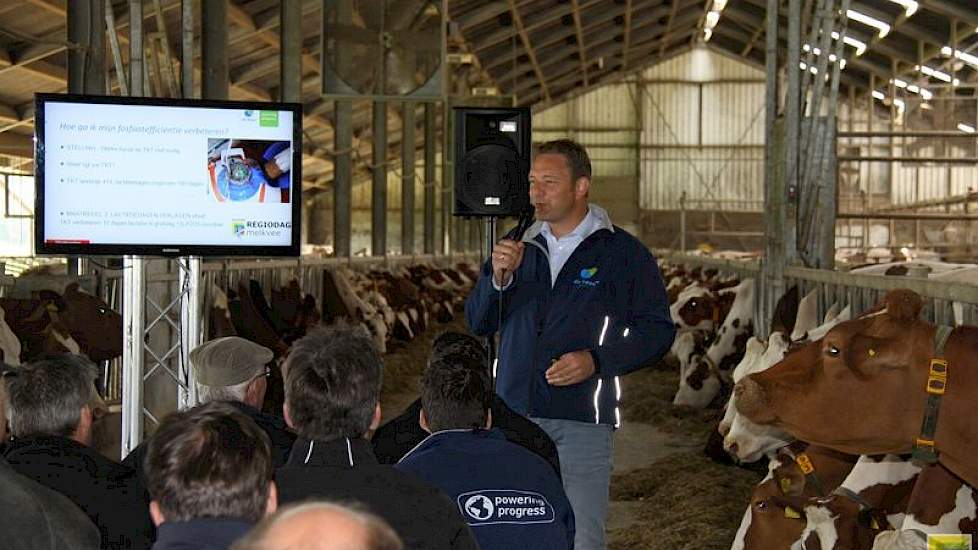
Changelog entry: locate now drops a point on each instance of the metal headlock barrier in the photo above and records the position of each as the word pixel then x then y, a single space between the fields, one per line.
pixel 154 376
pixel 946 302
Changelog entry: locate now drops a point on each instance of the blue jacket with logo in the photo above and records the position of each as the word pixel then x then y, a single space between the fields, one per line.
pixel 608 299
pixel 509 496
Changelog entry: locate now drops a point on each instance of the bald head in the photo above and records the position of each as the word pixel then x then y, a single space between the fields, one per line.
pixel 321 526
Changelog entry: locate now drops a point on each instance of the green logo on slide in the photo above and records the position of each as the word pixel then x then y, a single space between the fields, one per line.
pixel 268 119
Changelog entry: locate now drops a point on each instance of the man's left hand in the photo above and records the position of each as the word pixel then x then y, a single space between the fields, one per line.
pixel 571 368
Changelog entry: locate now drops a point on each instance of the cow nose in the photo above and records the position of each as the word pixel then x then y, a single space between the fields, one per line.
pixel 731 449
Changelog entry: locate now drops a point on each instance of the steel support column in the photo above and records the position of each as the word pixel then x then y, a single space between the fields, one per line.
pixel 187 16
pixel 378 206
pixel 290 53
pixel 213 47
pixel 407 178
pixel 774 192
pixel 430 145
pixel 342 178
pixel 133 288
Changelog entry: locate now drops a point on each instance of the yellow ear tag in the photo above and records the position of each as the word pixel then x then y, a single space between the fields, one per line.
pixel 52 308
pixel 790 513
pixel 874 524
pixel 785 485
pixel 872 352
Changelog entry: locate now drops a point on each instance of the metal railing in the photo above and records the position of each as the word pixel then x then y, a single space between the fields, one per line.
pixel 946 302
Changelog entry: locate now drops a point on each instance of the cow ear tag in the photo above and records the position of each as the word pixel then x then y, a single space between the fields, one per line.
pixel 785 484
pixel 51 307
pixel 790 513
pixel 872 352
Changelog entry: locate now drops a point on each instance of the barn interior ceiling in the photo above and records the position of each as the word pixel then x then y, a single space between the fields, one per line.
pixel 539 52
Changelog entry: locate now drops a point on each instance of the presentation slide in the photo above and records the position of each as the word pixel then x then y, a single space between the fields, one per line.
pixel 152 175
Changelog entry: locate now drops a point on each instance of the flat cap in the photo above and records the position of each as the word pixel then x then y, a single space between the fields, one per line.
pixel 228 361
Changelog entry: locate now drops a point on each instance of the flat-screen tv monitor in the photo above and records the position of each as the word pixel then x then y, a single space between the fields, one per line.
pixel 149 176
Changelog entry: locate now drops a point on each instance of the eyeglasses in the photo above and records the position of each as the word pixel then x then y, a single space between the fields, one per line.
pixel 268 372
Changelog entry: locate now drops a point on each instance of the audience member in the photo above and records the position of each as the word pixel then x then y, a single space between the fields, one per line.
pixel 332 399
pixel 50 405
pixel 321 526
pixel 210 477
pixel 35 517
pixel 510 497
pixel 398 436
pixel 234 370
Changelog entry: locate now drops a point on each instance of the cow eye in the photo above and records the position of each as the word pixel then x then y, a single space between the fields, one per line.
pixel 102 310
pixel 692 302
pixel 832 351
pixel 761 504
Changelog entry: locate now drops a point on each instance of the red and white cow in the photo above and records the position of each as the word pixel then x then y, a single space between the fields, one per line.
pixel 874 369
pixel 744 439
pixel 706 376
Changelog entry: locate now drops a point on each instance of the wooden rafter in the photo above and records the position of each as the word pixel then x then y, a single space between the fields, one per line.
pixel 581 50
pixel 525 38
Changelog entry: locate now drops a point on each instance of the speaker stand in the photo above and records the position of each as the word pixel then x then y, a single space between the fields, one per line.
pixel 489 224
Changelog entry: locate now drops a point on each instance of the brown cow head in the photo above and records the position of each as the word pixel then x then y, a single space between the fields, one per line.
pixel 89 320
pixel 865 369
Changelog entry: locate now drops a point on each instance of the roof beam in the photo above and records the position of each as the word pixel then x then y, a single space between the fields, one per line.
pixel 580 40
pixel 672 15
pixel 952 11
pixel 482 13
pixel 528 47
pixel 265 33
pixel 56 7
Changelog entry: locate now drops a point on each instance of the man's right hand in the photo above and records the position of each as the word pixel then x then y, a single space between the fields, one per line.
pixel 506 257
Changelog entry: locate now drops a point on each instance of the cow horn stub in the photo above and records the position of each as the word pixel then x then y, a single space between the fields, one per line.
pixel 903 304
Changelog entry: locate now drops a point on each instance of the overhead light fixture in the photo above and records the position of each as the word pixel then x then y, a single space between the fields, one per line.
pixel 968 58
pixel 878 95
pixel 718 5
pixel 910 6
pixel 707 35
pixel 966 128
pixel 884 28
pixel 832 57
pixel 926 94
pixel 712 18
pixel 859 45
pixel 900 105
pixel 935 73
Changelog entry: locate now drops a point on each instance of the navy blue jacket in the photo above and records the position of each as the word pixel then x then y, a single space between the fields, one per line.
pixel 608 299
pixel 509 496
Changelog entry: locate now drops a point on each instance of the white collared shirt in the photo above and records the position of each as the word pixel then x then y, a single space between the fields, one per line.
pixel 560 250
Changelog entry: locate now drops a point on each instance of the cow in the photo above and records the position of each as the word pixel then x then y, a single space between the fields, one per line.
pixel 73 321
pixel 766 525
pixel 707 375
pixel 873 498
pixel 874 369
pixel 941 503
pixel 749 441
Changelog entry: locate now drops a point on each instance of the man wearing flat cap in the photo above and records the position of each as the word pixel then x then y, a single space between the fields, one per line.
pixel 234 370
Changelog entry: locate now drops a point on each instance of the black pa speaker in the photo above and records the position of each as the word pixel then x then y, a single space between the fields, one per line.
pixel 492 161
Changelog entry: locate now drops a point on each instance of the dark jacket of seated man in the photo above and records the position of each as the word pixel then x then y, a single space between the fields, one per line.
pixel 510 497
pixel 50 446
pixel 401 434
pixel 346 470
pixel 37 518
pixel 333 377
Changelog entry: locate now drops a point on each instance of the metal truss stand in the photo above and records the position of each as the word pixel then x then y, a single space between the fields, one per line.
pixel 145 352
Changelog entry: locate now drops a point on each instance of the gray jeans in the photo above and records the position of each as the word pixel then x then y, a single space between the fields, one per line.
pixel 585 451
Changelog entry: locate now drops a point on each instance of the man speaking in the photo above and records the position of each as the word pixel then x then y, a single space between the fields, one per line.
pixel 582 303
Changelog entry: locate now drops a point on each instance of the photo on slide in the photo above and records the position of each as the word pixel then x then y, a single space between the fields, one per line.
pixel 249 170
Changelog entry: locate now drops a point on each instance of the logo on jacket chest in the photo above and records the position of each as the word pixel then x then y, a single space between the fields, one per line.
pixel 586 278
